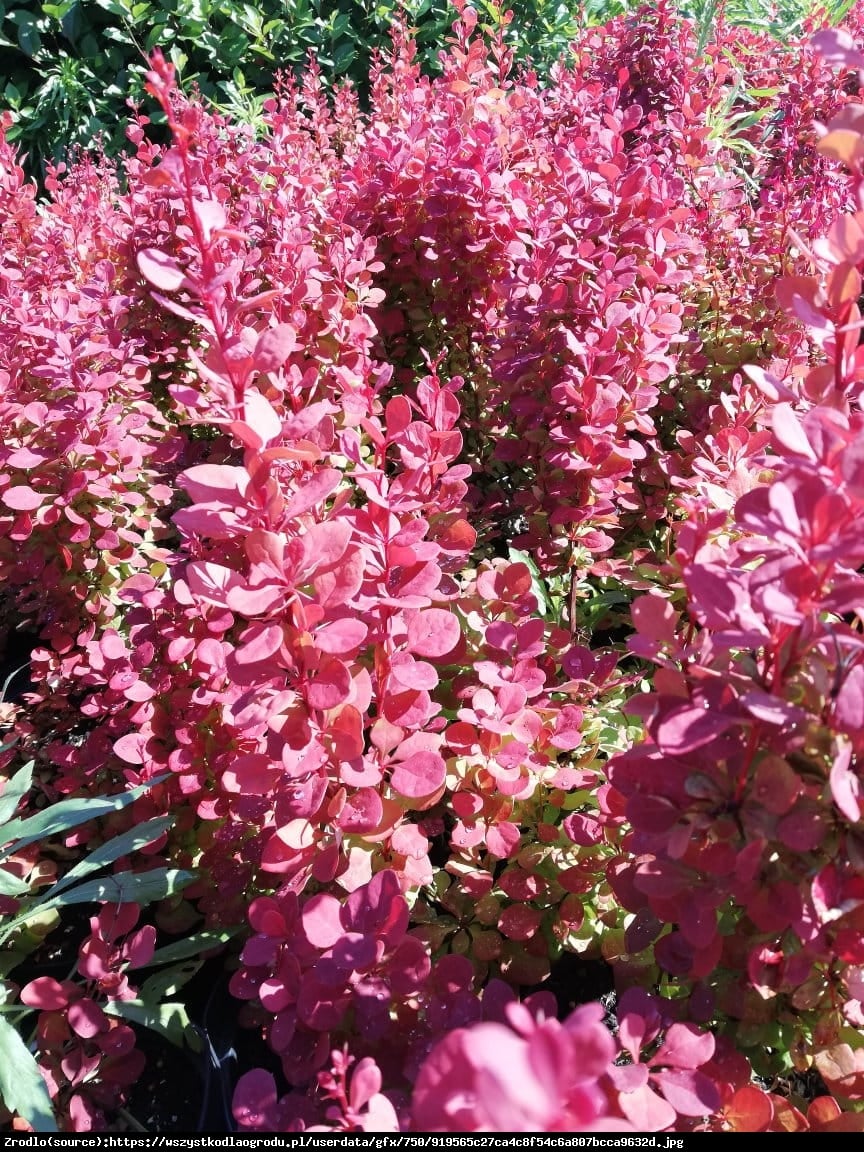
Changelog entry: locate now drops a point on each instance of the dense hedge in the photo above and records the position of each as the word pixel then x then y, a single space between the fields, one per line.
pixel 438 528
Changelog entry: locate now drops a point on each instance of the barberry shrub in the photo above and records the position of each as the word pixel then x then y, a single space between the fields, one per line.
pixel 338 462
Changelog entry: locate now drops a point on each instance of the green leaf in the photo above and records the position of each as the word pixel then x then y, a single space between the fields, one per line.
pixel 193 945
pixel 66 815
pixel 537 586
pixel 126 888
pixel 29 40
pixel 12 885
pixel 169 1020
pixel 112 850
pixel 21 1085
pixel 14 792
pixel 160 985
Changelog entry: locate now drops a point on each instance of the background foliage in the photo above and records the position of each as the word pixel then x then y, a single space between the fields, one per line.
pixel 68 68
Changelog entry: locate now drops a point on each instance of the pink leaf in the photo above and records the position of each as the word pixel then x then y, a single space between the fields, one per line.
pixel 684 1046
pixel 788 432
pixel 253 774
pixel 46 994
pixel 687 728
pixel 274 347
pixel 646 1111
pixel 324 544
pixel 330 686
pixel 259 643
pixel 503 839
pixel 160 269
pixel 838 47
pixel 654 617
pixel 433 632
pixel 207 483
pixel 341 583
pixel 321 921
pixel 210 215
pixel 22 498
pixel 419 775
pixel 690 1093
pixel 316 489
pixel 363 812
pixel 411 673
pixel 409 967
pixel 261 417
pixel 211 582
pixel 365 1083
pixel 846 788
pixel 341 636
pixel 128 748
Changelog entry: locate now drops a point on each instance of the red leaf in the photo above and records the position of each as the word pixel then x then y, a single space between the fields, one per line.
pixel 254 774
pixel 842 1069
pixel 750 1110
pixel 519 922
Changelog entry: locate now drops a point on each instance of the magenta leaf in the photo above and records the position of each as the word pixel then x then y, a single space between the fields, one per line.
pixel 689 727
pixel 47 994
pixel 255 1100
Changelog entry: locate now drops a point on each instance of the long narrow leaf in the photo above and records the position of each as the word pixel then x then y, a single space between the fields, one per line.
pixel 112 850
pixel 66 815
pixel 126 888
pixel 122 888
pixel 14 792
pixel 21 1085
pixel 192 946
pixel 169 1020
